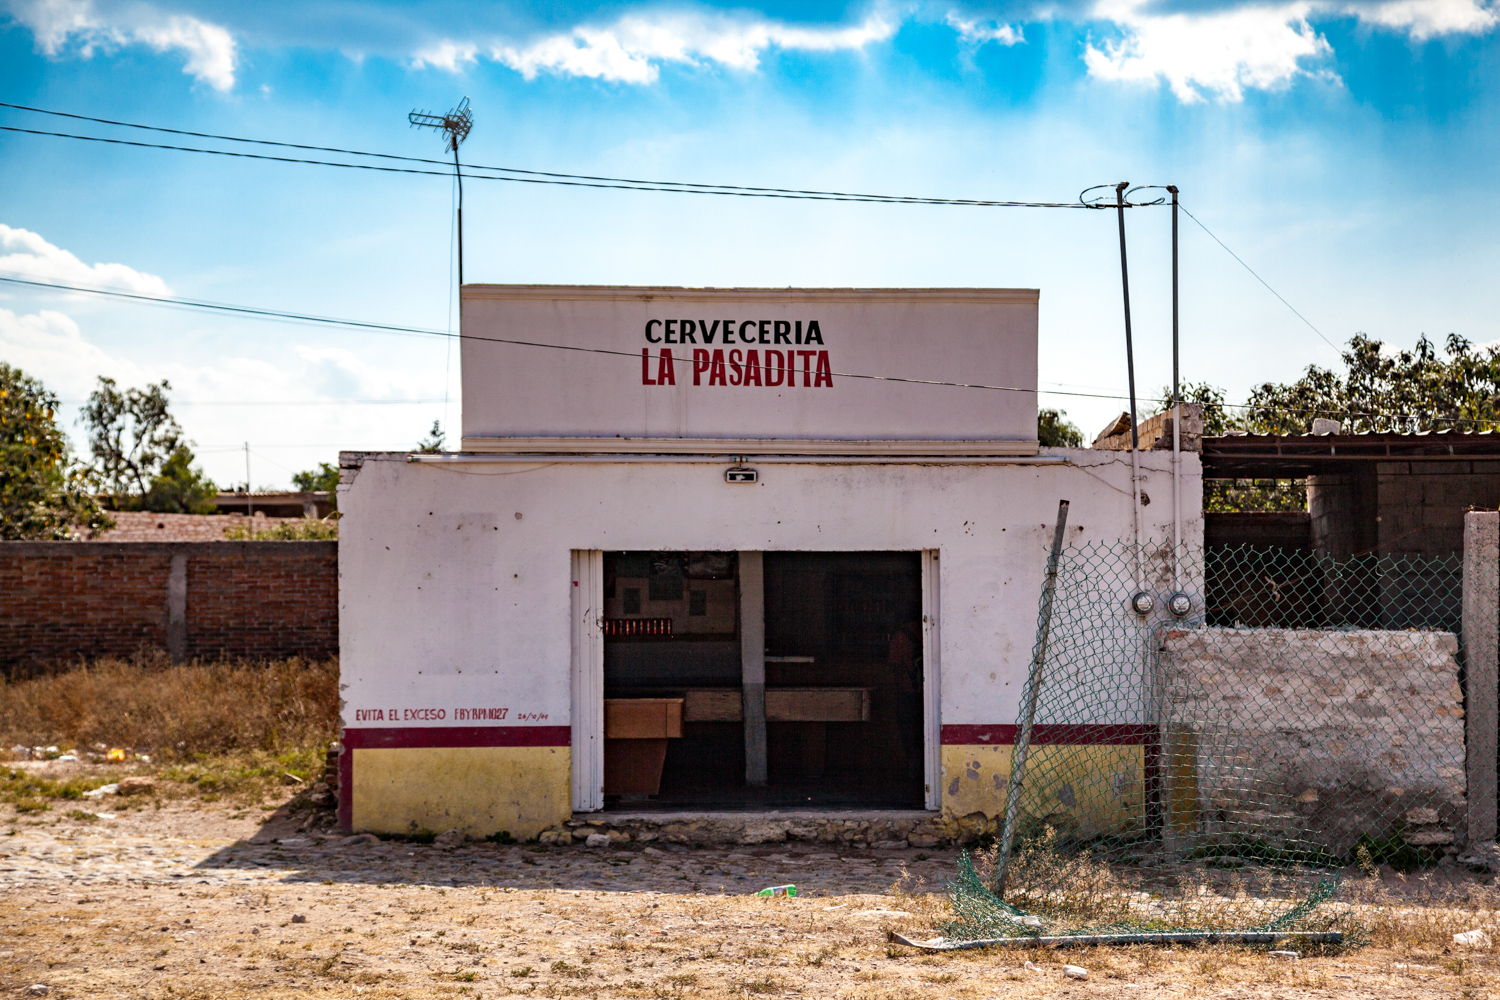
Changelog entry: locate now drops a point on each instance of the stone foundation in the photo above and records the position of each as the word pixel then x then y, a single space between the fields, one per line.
pixel 883 829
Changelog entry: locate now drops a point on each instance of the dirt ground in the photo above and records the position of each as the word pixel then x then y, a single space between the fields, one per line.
pixel 162 897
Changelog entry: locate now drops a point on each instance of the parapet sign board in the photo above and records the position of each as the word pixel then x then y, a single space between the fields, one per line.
pixel 937 371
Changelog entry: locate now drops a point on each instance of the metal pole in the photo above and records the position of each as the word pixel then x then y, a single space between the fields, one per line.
pixel 1176 416
pixel 1135 441
pixel 249 497
pixel 1033 692
pixel 458 172
pixel 1128 938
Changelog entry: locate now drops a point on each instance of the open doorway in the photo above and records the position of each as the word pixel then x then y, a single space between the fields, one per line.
pixel 846 621
pixel 843 672
pixel 671 639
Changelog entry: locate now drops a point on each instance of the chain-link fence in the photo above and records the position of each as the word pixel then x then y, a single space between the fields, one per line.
pixel 1304 714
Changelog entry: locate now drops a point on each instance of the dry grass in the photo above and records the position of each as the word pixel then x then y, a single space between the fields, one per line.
pixel 175 712
pixel 416 942
pixel 306 529
pixel 1372 906
pixel 211 730
pixel 1422 914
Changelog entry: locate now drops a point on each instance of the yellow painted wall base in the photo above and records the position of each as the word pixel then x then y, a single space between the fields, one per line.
pixel 1090 790
pixel 478 790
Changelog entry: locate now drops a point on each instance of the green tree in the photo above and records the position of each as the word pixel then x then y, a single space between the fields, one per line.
pixel 433 442
pixel 131 435
pixel 323 479
pixel 1055 430
pixel 42 494
pixel 1385 390
pixel 1216 418
pixel 179 488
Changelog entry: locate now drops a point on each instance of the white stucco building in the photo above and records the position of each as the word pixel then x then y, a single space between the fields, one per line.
pixel 713 549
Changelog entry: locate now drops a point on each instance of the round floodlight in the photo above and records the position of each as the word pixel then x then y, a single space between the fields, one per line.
pixel 1142 603
pixel 1179 604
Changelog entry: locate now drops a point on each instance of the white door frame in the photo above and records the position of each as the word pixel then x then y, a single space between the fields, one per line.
pixel 932 714
pixel 588 680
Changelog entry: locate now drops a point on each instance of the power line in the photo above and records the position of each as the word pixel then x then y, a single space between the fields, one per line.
pixel 259 313
pixel 420 331
pixel 633 182
pixel 288 402
pixel 225 307
pixel 575 180
pixel 1258 278
pixel 589 180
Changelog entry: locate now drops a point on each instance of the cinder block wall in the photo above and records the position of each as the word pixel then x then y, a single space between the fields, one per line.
pixel 1399 507
pixel 66 600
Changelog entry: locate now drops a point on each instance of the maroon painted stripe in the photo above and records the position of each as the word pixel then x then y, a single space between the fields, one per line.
pixel 457 736
pixel 346 789
pixel 1051 734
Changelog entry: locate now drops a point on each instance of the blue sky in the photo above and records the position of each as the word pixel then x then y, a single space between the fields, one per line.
pixel 1344 148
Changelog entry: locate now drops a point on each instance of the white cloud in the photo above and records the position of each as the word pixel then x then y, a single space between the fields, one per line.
pixel 451 56
pixel 342 373
pixel 24 252
pixel 60 25
pixel 1424 19
pixel 632 49
pixel 978 32
pixel 1223 51
pixel 49 346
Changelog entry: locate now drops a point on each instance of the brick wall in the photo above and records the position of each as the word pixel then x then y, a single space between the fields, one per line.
pixel 65 600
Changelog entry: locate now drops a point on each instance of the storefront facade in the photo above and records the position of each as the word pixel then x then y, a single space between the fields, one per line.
pixel 651 580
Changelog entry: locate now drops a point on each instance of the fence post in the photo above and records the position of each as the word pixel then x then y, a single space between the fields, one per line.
pixel 1481 612
pixel 177 584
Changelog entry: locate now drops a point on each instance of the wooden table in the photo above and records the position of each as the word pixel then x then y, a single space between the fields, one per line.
pixel 636 731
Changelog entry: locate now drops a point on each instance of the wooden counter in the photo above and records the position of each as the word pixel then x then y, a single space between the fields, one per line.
pixel 636 731
pixel 785 704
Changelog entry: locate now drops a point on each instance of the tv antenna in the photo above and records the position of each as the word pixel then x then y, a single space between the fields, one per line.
pixel 455 126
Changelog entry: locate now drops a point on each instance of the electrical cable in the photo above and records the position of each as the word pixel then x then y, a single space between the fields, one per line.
pixel 594 181
pixel 260 313
pixel 574 180
pixel 725 188
pixel 653 184
pixel 420 331
pixel 1257 277
pixel 289 402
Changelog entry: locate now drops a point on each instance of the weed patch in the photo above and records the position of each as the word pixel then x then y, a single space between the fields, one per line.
pixel 178 712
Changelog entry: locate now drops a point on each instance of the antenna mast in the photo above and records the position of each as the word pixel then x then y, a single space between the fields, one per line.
pixel 455 126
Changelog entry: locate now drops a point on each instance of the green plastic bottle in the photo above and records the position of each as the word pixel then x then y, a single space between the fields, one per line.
pixel 778 890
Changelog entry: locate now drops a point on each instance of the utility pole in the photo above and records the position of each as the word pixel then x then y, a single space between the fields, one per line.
pixel 1176 416
pixel 1135 440
pixel 249 497
pixel 455 126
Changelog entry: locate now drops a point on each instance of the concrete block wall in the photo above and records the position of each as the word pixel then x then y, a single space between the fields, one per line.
pixel 1322 735
pixel 1289 531
pixel 70 600
pixel 1415 508
pixel 1422 504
